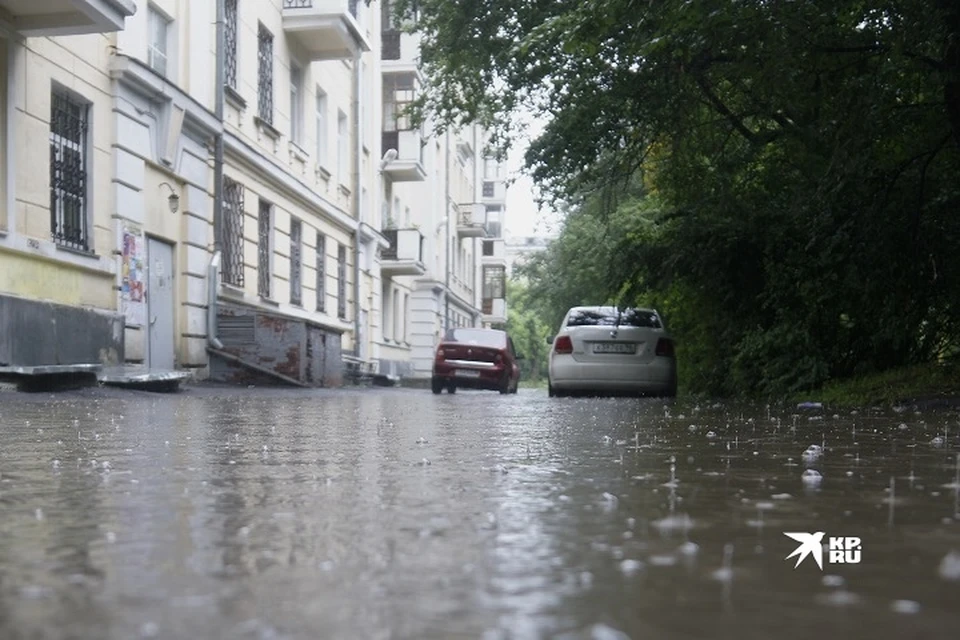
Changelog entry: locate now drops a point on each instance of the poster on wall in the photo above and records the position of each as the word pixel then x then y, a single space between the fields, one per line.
pixel 133 278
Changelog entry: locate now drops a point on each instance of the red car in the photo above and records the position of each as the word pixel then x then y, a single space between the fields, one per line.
pixel 472 358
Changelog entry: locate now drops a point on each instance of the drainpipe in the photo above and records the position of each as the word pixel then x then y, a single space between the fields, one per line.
pixel 446 239
pixel 213 273
pixel 357 167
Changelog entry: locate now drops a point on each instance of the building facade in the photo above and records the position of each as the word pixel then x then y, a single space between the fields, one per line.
pixel 256 205
pixel 57 268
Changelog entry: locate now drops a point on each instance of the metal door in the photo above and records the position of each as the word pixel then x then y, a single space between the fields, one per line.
pixel 160 304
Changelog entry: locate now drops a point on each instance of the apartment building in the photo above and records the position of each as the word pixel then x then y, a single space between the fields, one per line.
pixel 57 269
pixel 255 203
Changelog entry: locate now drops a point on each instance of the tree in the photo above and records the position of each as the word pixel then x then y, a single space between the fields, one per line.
pixel 802 162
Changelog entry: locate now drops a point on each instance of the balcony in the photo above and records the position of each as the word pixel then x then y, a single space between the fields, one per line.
pixel 404 256
pixel 494 309
pixel 399 53
pixel 494 252
pixel 471 219
pixel 326 29
pixel 408 165
pixel 67 17
pixel 494 192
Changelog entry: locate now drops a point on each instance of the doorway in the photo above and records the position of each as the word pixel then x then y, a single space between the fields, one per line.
pixel 160 305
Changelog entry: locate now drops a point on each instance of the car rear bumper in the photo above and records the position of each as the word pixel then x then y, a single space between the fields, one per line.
pixel 567 374
pixel 487 377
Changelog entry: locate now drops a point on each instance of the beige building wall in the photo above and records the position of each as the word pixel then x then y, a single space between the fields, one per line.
pixel 34 265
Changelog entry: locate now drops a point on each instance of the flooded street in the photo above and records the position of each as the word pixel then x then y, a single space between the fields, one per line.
pixel 394 513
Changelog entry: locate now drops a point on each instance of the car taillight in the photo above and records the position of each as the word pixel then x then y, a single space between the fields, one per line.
pixel 498 359
pixel 440 355
pixel 563 345
pixel 665 347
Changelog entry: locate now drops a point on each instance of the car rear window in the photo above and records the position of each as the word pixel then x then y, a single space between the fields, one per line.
pixel 609 317
pixel 495 339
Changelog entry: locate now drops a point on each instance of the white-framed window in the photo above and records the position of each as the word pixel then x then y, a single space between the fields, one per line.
pixel 321 122
pixel 296 104
pixel 343 146
pixel 158 40
pixel 265 74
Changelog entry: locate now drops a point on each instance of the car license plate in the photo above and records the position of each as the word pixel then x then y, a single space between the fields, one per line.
pixel 467 373
pixel 614 347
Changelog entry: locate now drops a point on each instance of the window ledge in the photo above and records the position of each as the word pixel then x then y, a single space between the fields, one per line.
pixel 298 152
pixel 234 98
pixel 344 189
pixel 323 173
pixel 269 301
pixel 266 128
pixel 231 290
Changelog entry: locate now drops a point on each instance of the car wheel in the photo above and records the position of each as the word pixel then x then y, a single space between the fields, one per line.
pixel 505 385
pixel 451 388
pixel 551 393
pixel 436 385
pixel 516 386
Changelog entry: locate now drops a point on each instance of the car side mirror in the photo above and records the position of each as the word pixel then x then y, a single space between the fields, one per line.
pixel 550 340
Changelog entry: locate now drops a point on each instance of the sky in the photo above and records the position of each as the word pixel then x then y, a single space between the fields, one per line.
pixel 522 216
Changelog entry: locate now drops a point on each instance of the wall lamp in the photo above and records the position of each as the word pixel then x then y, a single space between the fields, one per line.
pixel 174 199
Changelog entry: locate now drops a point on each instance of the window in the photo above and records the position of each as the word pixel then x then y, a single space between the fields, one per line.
pixel 343 142
pixel 398 93
pixel 232 232
pixel 321 127
pixel 296 264
pixel 69 120
pixel 296 104
pixel 157 40
pixel 610 316
pixel 264 248
pixel 488 189
pixel 491 168
pixel 488 247
pixel 341 281
pixel 321 272
pixel 230 36
pixel 406 318
pixel 493 282
pixel 265 75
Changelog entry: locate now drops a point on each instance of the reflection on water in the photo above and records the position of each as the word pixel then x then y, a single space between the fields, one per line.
pixel 399 514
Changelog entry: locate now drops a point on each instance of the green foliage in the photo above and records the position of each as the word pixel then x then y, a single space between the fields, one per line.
pixel 528 330
pixel 781 179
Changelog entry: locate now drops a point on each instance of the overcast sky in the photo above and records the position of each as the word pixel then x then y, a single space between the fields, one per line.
pixel 522 216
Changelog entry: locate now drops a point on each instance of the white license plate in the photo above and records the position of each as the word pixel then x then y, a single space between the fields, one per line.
pixel 467 373
pixel 614 347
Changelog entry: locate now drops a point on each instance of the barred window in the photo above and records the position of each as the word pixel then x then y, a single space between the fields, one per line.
pixel 264 248
pixel 321 272
pixel 230 34
pixel 69 120
pixel 296 266
pixel 341 281
pixel 265 75
pixel 232 232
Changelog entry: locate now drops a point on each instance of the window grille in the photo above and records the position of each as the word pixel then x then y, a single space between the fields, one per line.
pixel 263 249
pixel 296 233
pixel 68 171
pixel 265 75
pixel 321 272
pixel 342 281
pixel 232 232
pixel 230 35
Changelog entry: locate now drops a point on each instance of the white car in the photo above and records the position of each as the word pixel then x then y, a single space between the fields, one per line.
pixel 611 350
